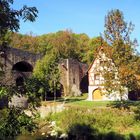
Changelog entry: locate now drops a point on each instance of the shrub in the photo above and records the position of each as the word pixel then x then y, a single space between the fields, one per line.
pixel 13 122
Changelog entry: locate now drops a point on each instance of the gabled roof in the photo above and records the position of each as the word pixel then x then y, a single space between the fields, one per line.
pixel 101 48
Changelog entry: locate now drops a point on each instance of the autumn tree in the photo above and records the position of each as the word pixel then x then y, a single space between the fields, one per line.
pixel 117 34
pixel 27 42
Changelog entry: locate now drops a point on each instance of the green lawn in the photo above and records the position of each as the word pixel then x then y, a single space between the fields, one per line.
pixel 89 104
pixel 81 101
pixel 112 104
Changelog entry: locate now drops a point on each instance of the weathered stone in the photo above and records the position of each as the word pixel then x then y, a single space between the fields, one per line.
pixel 72 73
pixel 18 101
pixel 18 65
pixel 15 63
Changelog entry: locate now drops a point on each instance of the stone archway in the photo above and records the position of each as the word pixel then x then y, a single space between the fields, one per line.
pixel 84 84
pixel 20 71
pixel 97 94
pixel 19 81
pixel 22 66
pixel 134 95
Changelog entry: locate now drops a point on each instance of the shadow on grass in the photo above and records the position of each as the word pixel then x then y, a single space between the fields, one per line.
pixel 86 132
pixel 70 99
pixel 73 100
pixel 124 104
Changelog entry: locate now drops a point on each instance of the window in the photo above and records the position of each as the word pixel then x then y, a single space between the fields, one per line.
pixel 73 80
pixel 103 63
pixel 97 76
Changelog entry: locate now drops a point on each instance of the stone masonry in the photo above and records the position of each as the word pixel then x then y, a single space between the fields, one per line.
pixel 18 64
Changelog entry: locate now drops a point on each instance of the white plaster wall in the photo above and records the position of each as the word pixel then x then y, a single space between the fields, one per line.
pixel 90 91
pixel 114 96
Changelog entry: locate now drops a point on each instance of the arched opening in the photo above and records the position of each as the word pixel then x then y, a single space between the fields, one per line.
pixel 84 84
pixel 20 71
pixel 20 85
pixel 60 91
pixel 23 66
pixel 134 95
pixel 20 81
pixel 97 94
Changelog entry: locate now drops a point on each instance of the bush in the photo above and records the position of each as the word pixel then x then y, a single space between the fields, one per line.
pixel 13 122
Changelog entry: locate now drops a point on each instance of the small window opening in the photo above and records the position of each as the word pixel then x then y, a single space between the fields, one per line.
pixel 96 76
pixel 73 80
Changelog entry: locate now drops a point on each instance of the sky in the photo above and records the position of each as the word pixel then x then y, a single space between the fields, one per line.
pixel 80 16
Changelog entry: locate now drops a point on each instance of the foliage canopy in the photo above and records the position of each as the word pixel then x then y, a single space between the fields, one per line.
pixel 10 18
pixel 117 34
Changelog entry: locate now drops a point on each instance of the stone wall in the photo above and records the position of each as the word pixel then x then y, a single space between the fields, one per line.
pixel 12 59
pixel 9 57
pixel 72 73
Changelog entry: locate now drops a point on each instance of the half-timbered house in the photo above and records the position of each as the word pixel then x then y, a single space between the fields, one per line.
pixel 96 90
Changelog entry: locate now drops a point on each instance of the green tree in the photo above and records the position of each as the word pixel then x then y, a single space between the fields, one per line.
pixel 117 34
pixel 82 46
pixel 93 46
pixel 35 89
pixel 10 18
pixel 13 121
pixel 47 70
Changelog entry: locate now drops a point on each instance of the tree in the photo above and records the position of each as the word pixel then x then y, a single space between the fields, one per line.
pixel 82 46
pixel 65 44
pixel 47 71
pixel 26 42
pixel 10 18
pixel 117 34
pixel 92 48
pixel 13 120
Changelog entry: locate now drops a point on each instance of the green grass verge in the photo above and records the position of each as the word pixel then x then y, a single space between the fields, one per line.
pixel 81 101
pixel 89 104
pixel 108 123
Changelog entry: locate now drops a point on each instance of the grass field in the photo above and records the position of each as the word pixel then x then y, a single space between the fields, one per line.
pixel 85 103
pixel 82 101
pixel 99 120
